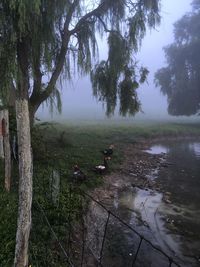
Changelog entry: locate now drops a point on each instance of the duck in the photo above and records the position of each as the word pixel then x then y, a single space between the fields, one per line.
pixel 78 175
pixel 102 168
pixel 108 151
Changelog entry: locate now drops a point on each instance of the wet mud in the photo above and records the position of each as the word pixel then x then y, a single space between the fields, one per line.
pixel 148 193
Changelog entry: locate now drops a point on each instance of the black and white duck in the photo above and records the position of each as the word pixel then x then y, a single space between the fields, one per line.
pixel 108 152
pixel 78 175
pixel 102 168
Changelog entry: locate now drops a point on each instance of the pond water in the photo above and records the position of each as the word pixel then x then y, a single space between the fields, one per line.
pixel 170 218
pixel 157 149
pixel 182 180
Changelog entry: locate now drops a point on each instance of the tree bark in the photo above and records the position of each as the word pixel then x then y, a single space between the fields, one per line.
pixel 7 159
pixel 1 136
pixel 5 147
pixel 25 183
pixel 32 111
pixel 24 156
pixel 1 147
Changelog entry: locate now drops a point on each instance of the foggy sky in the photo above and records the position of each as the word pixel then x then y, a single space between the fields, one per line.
pixel 78 101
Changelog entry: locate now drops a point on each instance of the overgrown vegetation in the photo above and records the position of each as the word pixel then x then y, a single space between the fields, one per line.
pixel 59 147
pixel 8 223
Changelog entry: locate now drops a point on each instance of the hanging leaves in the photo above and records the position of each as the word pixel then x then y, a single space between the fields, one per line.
pixel 120 76
pixel 61 38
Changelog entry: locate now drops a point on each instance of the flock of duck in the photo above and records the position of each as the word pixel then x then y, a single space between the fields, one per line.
pixel 79 175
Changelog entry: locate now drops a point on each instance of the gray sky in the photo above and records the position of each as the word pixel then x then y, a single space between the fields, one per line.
pixel 78 101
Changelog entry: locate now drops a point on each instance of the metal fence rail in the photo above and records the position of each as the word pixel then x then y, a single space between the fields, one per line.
pixel 67 256
pixel 142 238
pixel 84 246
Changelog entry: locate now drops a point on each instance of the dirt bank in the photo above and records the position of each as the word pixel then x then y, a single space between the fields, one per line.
pixel 138 167
pixel 134 171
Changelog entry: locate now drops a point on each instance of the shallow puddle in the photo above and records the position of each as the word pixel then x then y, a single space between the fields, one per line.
pixel 157 149
pixel 147 213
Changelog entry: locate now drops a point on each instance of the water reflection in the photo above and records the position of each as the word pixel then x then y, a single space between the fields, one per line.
pixel 182 177
pixel 173 226
pixel 136 207
pixel 182 180
pixel 196 148
pixel 142 209
pixel 157 149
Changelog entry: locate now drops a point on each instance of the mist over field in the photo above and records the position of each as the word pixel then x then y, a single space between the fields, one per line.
pixel 78 103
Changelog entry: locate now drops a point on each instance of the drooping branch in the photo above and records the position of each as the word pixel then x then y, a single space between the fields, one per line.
pixel 96 12
pixel 73 19
pixel 66 34
pixel 69 14
pixel 61 55
pixel 104 25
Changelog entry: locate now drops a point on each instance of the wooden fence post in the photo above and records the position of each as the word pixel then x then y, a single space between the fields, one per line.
pixel 5 146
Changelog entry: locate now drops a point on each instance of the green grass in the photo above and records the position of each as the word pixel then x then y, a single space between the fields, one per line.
pixel 60 147
pixel 8 222
pixel 98 136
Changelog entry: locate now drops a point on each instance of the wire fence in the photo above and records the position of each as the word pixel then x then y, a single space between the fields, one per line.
pixel 92 237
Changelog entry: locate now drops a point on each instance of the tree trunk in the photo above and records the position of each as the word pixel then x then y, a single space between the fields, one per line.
pixel 7 159
pixel 2 155
pixel 24 155
pixel 32 110
pixel 1 147
pixel 25 183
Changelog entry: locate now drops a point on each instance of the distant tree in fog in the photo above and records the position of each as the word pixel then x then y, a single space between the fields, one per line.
pixel 180 80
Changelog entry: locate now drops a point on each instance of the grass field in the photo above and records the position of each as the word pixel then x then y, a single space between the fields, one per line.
pixel 59 147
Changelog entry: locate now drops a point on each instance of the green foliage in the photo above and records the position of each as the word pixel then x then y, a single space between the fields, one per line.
pixel 120 75
pixel 54 101
pixel 117 77
pixel 59 36
pixel 128 97
pixel 36 24
pixel 8 224
pixel 180 79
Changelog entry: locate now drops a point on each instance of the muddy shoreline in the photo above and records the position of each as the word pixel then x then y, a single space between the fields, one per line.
pixel 135 173
pixel 136 164
pixel 134 170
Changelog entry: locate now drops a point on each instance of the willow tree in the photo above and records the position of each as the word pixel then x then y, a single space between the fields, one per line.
pixel 40 40
pixel 180 79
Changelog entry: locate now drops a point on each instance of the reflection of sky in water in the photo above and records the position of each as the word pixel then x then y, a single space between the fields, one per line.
pixel 144 210
pixel 196 148
pixel 157 149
